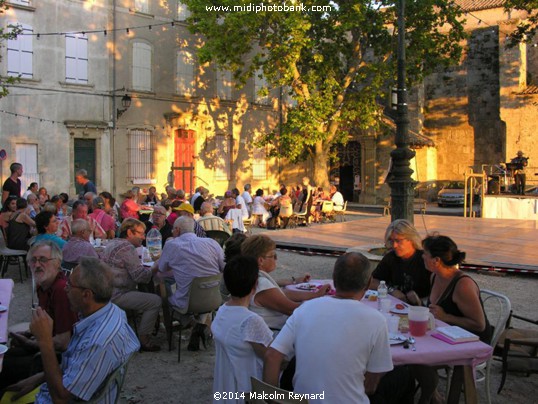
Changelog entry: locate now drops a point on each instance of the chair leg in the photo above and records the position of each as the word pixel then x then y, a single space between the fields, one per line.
pixel 20 268
pixel 486 381
pixel 170 330
pixel 179 343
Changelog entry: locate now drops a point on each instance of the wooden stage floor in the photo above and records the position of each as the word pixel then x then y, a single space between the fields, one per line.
pixel 503 243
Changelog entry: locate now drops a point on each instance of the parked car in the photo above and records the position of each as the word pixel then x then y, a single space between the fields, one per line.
pixel 452 194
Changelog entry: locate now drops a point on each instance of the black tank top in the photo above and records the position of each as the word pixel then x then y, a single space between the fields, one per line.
pixel 450 307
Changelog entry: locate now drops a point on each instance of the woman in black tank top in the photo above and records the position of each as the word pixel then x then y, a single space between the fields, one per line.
pixel 454 298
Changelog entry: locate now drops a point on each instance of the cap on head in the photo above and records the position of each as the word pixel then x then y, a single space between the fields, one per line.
pixel 185 207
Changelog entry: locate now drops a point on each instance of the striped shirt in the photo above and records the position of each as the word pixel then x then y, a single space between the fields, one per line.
pixel 100 343
pixel 212 222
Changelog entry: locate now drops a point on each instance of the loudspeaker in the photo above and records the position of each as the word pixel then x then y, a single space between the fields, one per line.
pixel 494 187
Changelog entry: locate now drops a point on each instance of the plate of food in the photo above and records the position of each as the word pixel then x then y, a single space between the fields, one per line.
pixel 400 308
pixel 307 286
pixel 3 349
pixel 3 308
pixel 395 339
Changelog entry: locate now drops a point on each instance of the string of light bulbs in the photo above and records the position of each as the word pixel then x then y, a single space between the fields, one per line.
pixel 105 32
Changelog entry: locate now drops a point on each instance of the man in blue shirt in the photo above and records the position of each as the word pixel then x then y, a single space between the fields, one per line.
pixel 101 342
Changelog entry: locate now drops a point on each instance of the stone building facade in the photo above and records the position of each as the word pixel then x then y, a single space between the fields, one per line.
pixel 188 119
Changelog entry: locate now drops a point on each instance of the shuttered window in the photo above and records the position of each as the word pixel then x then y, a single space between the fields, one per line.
pixel 223 147
pixel 182 11
pixel 141 66
pixel 141 156
pixel 224 84
pixel 185 73
pixel 20 53
pixel 26 154
pixel 260 83
pixel 142 6
pixel 76 58
pixel 259 164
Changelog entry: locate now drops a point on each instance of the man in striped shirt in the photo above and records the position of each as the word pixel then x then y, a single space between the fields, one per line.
pixel 211 222
pixel 102 341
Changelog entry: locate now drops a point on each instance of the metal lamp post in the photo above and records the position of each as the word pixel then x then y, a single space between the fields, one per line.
pixel 401 184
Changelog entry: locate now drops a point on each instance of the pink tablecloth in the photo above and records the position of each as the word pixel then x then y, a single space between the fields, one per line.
pixel 434 352
pixel 429 350
pixel 6 290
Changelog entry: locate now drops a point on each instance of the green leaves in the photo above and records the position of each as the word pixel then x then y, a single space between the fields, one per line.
pixel 338 63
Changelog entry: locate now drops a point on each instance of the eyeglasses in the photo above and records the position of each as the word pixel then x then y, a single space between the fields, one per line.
pixel 69 285
pixel 271 256
pixel 41 260
pixel 397 240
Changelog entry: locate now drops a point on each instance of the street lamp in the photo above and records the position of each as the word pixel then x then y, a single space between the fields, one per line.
pixel 125 103
pixel 401 184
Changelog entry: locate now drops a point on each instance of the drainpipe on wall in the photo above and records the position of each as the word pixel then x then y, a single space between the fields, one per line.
pixel 113 132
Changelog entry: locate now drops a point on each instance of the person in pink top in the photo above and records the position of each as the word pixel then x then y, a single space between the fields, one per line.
pixel 106 221
pixel 129 208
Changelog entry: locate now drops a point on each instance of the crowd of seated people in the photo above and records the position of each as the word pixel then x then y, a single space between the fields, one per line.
pixel 74 227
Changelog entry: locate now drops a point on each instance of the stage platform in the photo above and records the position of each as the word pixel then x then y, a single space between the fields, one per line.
pixel 492 244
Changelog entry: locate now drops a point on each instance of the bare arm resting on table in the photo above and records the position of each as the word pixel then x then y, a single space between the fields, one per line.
pixel 273 299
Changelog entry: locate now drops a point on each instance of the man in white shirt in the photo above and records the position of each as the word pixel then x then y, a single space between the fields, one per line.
pixel 337 198
pixel 240 203
pixel 341 345
pixel 247 197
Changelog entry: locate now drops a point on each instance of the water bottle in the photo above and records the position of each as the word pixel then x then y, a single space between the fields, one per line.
pixel 382 292
pixel 154 243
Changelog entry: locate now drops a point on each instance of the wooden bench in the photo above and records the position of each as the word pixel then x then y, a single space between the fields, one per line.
pixel 418 204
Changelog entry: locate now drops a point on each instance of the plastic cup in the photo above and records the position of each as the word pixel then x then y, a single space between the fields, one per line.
pixel 393 323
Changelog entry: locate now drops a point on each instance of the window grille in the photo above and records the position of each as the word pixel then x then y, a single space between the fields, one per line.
pixel 141 159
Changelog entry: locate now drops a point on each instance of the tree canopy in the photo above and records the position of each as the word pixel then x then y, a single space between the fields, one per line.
pixel 335 58
pixel 526 30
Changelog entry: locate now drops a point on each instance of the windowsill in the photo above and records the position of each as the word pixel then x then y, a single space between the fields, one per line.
pixel 141 13
pixel 26 80
pixel 68 84
pixel 21 6
pixel 145 92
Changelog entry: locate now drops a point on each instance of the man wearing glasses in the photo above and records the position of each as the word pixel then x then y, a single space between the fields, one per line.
pixel 44 259
pixel 129 271
pixel 102 341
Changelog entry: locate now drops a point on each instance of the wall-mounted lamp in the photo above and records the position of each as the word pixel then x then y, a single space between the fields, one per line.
pixel 125 103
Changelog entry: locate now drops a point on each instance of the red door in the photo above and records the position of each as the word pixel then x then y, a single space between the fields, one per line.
pixel 184 160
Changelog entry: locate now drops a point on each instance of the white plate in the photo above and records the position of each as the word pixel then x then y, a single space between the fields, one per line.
pixel 3 308
pixel 394 310
pixel 369 293
pixel 395 339
pixel 307 286
pixel 3 349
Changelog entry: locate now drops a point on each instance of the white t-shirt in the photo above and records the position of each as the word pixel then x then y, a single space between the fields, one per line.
pixel 248 199
pixel 233 329
pixel 335 341
pixel 274 319
pixel 338 200
pixel 240 201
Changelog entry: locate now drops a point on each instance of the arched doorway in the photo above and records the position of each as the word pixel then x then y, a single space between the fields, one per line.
pixel 348 167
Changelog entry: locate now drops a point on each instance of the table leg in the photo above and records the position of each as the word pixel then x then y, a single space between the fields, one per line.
pixel 462 376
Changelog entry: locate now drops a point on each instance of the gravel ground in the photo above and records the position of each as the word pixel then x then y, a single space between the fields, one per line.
pixel 158 378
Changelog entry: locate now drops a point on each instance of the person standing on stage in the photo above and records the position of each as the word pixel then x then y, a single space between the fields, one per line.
pixel 519 172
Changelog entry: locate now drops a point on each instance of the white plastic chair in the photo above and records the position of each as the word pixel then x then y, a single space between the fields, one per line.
pixel 7 255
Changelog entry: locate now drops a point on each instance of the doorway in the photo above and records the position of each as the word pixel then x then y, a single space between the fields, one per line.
pixel 347 169
pixel 183 164
pixel 84 159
